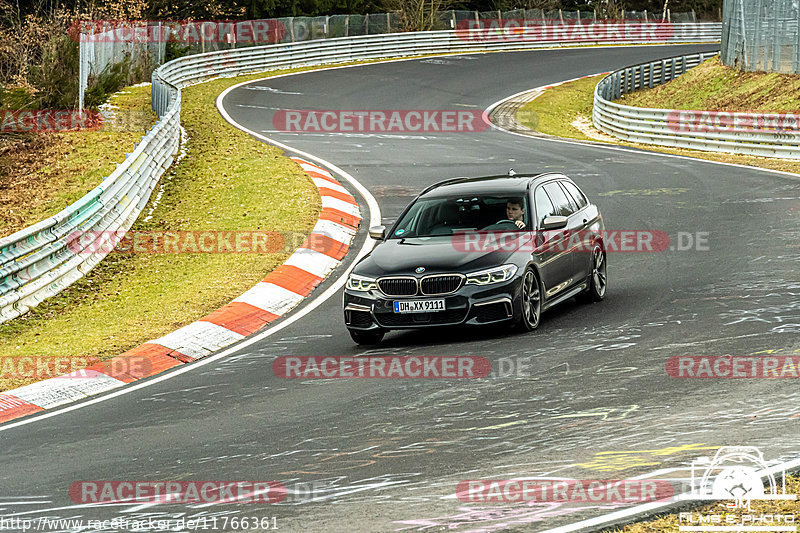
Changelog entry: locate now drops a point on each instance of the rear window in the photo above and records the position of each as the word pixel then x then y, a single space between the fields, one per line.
pixel 562 204
pixel 576 194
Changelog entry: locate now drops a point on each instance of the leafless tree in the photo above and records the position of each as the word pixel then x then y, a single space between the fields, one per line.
pixel 418 15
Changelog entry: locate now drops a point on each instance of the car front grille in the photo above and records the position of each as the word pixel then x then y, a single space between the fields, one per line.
pixel 398 286
pixel 445 284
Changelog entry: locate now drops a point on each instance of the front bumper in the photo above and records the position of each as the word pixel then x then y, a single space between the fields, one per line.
pixel 472 305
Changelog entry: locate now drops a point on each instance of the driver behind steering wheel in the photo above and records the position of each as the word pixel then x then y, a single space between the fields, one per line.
pixel 514 212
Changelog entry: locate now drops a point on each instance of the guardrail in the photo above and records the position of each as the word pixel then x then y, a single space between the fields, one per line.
pixel 760 134
pixel 44 259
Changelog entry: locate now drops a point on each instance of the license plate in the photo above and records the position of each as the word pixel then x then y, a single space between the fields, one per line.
pixel 418 306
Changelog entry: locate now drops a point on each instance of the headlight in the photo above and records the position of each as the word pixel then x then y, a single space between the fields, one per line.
pixel 361 283
pixel 492 275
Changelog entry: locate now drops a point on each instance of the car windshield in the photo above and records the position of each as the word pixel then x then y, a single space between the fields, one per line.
pixel 430 217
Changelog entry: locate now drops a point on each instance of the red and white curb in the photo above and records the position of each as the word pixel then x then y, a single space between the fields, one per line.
pixel 272 297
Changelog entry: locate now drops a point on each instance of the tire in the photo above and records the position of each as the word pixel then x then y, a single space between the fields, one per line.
pixel 598 277
pixel 364 338
pixel 531 301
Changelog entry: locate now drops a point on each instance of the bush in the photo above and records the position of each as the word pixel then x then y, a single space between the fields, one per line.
pixel 174 50
pixel 56 76
pixel 113 78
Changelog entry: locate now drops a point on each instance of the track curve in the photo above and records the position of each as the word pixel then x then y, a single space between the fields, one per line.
pixel 594 400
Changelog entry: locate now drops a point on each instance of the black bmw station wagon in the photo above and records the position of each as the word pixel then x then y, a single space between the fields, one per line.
pixel 479 251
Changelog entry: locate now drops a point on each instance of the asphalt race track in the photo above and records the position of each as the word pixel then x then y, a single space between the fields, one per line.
pixel 592 401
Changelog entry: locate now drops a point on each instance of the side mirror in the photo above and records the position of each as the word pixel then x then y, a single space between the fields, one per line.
pixel 377 232
pixel 554 222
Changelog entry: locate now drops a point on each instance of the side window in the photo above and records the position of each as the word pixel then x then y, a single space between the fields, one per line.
pixel 562 204
pixel 573 205
pixel 544 207
pixel 576 193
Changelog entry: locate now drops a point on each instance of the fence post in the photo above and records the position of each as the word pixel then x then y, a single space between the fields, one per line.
pixel 776 46
pixel 796 59
pixel 162 51
pixel 82 64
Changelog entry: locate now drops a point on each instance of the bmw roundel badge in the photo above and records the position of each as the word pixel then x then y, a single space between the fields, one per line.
pixel 420 270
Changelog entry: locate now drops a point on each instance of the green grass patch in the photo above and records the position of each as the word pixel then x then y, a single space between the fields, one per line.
pixel 556 109
pixel 572 102
pixel 43 174
pixel 713 86
pixel 671 522
pixel 227 181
